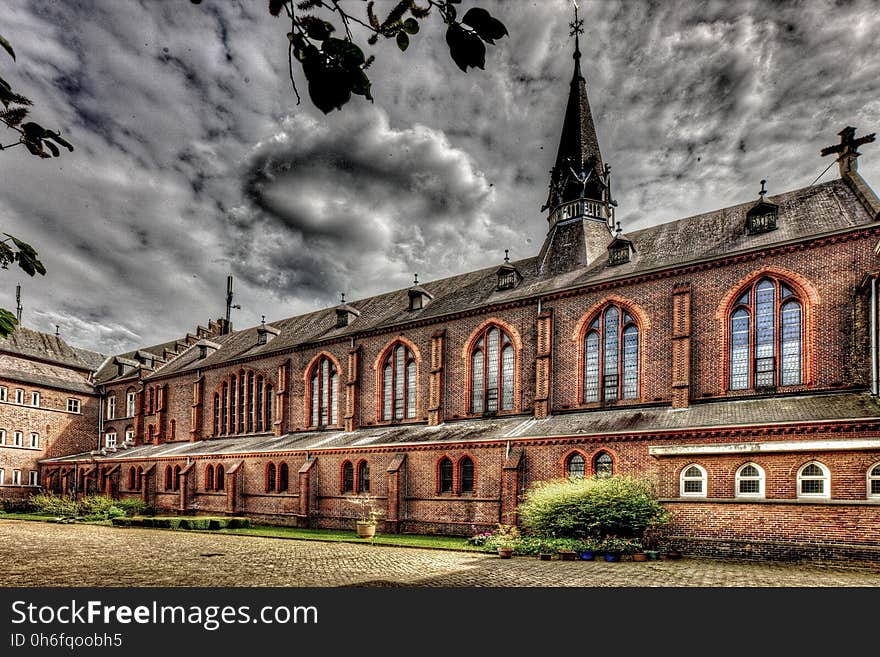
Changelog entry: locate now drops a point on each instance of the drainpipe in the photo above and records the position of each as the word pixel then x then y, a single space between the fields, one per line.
pixel 101 391
pixel 875 370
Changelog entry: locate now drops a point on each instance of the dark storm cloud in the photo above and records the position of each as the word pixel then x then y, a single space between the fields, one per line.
pixel 192 160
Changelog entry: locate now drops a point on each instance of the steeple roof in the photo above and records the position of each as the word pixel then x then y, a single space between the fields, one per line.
pixel 578 146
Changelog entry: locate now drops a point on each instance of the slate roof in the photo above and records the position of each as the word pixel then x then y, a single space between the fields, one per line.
pixel 13 368
pixel 724 413
pixel 47 347
pixel 803 214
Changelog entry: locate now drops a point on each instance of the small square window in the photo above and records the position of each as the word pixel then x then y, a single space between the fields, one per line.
pixel 35 399
pixel 73 405
pixel 16 477
pixel 35 439
pixel 33 478
pixel 18 439
pixel 4 393
pixel 19 396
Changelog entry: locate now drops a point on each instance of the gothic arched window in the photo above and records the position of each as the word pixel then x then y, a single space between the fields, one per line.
pixel 575 466
pixel 766 337
pixel 363 483
pixel 611 357
pixel 282 477
pixel 445 483
pixel 270 478
pixel 466 475
pixel 347 477
pixel 398 384
pixel 603 465
pixel 492 365
pixel 324 386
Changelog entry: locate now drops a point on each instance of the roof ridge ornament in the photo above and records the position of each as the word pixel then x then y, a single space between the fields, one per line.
pixel 848 149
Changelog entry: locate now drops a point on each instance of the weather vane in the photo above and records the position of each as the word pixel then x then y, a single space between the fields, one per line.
pixel 577 25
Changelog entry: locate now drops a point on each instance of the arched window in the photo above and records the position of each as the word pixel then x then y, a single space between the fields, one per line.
pixel 603 465
pixel 324 383
pixel 282 477
pixel 445 483
pixel 176 477
pixel 242 404
pixel 363 483
pixel 347 477
pixel 766 337
pixel 575 466
pixel 750 481
pixel 813 480
pixel 693 481
pixel 269 418
pixel 224 408
pixel 492 372
pixel 270 478
pixel 209 477
pixel 132 478
pixel 260 411
pixel 220 482
pixel 169 477
pixel 398 384
pixel 217 414
pixel 250 402
pixel 874 481
pixel 466 475
pixel 611 357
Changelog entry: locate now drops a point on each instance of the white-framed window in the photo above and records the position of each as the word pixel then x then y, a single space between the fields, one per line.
pixel 129 436
pixel 874 481
pixel 16 477
pixel 33 478
pixel 35 439
pixel 73 405
pixel 693 481
pixel 813 480
pixel 2 436
pixel 2 476
pixel 750 480
pixel 19 396
pixel 4 393
pixel 129 404
pixel 18 439
pixel 111 407
pixel 110 439
pixel 35 398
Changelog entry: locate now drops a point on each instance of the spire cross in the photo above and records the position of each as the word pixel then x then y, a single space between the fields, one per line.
pixel 848 148
pixel 763 189
pixel 577 25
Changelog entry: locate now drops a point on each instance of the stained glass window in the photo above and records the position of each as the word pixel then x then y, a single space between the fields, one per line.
pixel 324 383
pixel 466 475
pixel 445 476
pixel 576 466
pixel 399 384
pixel 611 357
pixel 492 372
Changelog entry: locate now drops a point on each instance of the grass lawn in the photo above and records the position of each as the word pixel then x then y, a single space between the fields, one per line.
pixel 339 535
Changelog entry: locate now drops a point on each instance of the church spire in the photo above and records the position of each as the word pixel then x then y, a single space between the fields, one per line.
pixel 579 171
pixel 581 210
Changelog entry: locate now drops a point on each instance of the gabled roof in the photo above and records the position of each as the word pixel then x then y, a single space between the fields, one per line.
pixel 806 213
pixel 50 348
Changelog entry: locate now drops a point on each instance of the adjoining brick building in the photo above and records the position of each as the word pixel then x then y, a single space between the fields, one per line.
pixel 732 357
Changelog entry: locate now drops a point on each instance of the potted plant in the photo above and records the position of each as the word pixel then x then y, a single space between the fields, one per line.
pixel 650 541
pixel 544 551
pixel 505 540
pixel 587 549
pixel 614 547
pixel 369 515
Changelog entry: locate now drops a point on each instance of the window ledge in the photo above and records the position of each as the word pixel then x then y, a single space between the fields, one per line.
pixel 775 500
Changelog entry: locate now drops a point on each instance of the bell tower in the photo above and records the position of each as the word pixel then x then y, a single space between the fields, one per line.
pixel 581 218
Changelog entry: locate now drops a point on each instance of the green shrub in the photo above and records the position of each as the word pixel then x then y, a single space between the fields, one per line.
pixel 572 508
pixel 17 505
pixel 131 506
pixel 121 521
pixel 55 505
pixel 194 523
pixel 239 523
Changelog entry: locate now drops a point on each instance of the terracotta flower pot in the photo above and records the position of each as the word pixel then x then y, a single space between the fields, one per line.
pixel 366 529
pixel 639 556
pixel 505 552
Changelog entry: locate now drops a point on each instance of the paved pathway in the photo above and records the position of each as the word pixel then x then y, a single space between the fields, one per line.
pixel 46 554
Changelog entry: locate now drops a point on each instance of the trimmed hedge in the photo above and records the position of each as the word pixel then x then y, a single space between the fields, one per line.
pixel 617 506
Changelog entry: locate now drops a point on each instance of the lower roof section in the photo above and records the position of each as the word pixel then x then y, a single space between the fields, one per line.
pixel 733 414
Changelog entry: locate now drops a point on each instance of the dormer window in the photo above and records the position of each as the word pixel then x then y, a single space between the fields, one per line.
pixel 419 297
pixel 620 250
pixel 761 218
pixel 266 332
pixel 506 279
pixel 206 347
pixel 345 314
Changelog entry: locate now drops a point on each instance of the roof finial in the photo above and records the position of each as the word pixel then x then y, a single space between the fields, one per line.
pixel 763 189
pixel 342 295
pixel 57 330
pixel 263 320
pixel 577 27
pixel 506 257
pixel 619 231
pixel 416 279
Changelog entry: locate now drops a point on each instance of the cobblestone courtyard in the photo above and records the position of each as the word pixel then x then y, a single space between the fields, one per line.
pixel 44 554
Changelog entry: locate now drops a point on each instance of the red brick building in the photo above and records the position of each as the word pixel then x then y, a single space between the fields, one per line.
pixel 732 357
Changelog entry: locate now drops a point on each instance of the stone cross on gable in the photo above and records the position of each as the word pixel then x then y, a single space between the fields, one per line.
pixel 848 149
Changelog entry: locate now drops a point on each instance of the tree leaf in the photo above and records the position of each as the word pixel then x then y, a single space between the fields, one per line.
pixel 349 54
pixel 8 48
pixel 60 140
pixel 411 25
pixel 52 147
pixel 360 84
pixel 487 27
pixel 275 7
pixel 465 47
pixel 402 40
pixel 7 323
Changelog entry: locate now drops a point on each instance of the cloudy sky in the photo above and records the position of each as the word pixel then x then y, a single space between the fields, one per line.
pixel 193 160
